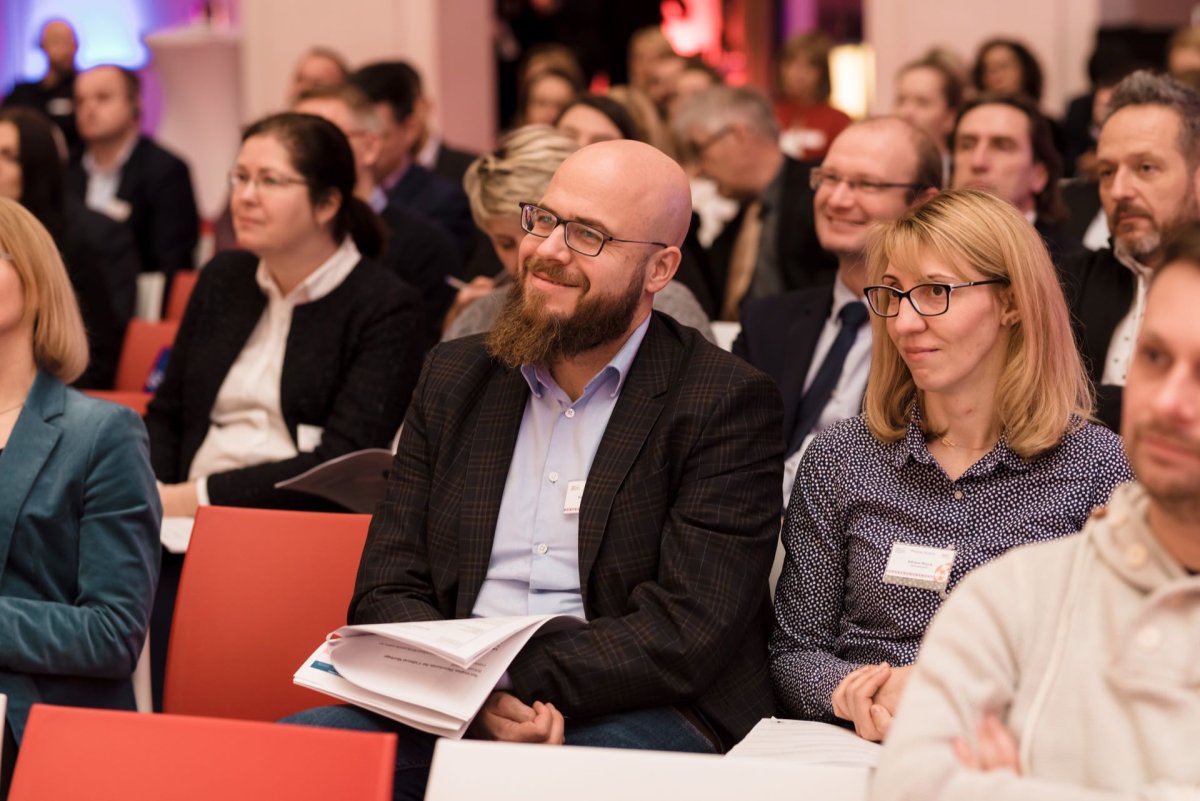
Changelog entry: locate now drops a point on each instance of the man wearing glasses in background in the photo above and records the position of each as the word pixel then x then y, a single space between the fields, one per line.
pixel 591 457
pixel 815 342
pixel 769 247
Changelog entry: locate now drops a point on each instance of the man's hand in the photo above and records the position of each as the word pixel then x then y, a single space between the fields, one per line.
pixel 996 747
pixel 178 500
pixel 855 695
pixel 504 717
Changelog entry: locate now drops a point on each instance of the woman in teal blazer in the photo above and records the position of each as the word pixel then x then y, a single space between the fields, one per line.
pixel 79 512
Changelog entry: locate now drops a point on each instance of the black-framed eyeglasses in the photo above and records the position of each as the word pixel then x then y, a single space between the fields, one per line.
pixel 698 148
pixel 580 237
pixel 819 176
pixel 927 300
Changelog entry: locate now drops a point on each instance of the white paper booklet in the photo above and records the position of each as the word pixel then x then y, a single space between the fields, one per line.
pixel 176 533
pixel 356 480
pixel 808 742
pixel 433 676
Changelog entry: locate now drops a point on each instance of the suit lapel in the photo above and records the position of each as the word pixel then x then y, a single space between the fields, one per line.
pixel 495 437
pixel 642 399
pixel 29 447
pixel 1104 304
pixel 130 172
pixel 802 338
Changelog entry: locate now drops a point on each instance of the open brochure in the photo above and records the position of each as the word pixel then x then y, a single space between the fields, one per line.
pixel 432 675
pixel 807 741
pixel 355 480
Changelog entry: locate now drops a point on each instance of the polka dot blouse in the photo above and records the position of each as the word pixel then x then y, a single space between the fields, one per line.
pixel 855 497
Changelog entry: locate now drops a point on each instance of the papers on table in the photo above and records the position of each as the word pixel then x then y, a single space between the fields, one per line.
pixel 433 676
pixel 355 480
pixel 176 533
pixel 807 742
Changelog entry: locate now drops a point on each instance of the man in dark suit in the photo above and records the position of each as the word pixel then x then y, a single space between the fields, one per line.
pixel 54 93
pixel 815 341
pixel 417 250
pixel 1148 158
pixel 428 149
pixel 594 458
pixel 771 246
pixel 1003 145
pixel 389 85
pixel 129 177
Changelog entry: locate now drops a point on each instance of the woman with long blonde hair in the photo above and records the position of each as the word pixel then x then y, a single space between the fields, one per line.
pixel 974 439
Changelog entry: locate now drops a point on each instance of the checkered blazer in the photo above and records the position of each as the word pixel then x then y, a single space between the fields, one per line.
pixel 677 529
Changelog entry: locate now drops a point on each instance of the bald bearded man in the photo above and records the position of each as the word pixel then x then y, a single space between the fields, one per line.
pixel 580 388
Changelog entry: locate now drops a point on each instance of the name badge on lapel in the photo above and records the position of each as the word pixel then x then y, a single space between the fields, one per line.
pixel 919 566
pixel 574 497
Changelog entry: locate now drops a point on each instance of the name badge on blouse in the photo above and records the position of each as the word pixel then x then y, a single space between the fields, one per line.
pixel 919 566
pixel 574 497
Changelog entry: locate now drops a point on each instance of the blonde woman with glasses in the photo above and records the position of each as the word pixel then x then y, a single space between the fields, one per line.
pixel 974 439
pixel 79 514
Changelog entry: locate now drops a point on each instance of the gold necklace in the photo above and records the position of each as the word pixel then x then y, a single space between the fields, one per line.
pixel 10 408
pixel 945 441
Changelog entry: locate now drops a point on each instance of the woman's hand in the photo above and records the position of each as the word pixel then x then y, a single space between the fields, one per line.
pixel 178 500
pixel 855 695
pixel 869 696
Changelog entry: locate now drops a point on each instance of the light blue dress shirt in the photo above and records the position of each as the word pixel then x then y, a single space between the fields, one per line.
pixel 534 567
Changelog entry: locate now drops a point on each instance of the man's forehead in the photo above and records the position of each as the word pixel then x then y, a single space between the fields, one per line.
pixel 996 119
pixel 879 151
pixel 1131 126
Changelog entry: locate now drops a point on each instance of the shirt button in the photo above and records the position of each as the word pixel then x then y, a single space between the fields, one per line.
pixel 553 478
pixel 958 495
pixel 1149 638
pixel 542 549
pixel 569 412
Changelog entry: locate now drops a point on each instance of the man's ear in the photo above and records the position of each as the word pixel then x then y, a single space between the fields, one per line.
pixel 1040 178
pixel 662 268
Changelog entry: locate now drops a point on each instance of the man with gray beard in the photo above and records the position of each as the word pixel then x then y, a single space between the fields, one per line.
pixel 589 456
pixel 1149 169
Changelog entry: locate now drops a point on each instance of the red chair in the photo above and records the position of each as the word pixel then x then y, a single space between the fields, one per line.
pixel 144 341
pixel 260 589
pixel 182 284
pixel 104 755
pixel 138 401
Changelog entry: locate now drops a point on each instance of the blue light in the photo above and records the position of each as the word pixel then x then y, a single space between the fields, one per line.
pixel 109 32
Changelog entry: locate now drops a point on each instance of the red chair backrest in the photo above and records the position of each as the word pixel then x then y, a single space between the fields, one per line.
pixel 104 755
pixel 144 341
pixel 182 284
pixel 260 590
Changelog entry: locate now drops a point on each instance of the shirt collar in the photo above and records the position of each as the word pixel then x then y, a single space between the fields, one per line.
pixel 1134 266
pixel 842 295
pixel 89 163
pixel 378 200
pixel 539 378
pixel 428 154
pixel 319 283
pixel 914 447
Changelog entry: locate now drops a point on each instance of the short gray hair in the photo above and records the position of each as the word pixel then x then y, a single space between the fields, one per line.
pixel 1144 88
pixel 720 106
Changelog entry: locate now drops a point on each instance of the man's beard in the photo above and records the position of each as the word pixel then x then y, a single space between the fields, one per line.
pixel 525 333
pixel 1143 249
pixel 1178 495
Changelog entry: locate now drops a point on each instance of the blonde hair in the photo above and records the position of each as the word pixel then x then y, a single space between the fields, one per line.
pixel 59 340
pixel 1043 384
pixel 645 116
pixel 519 170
